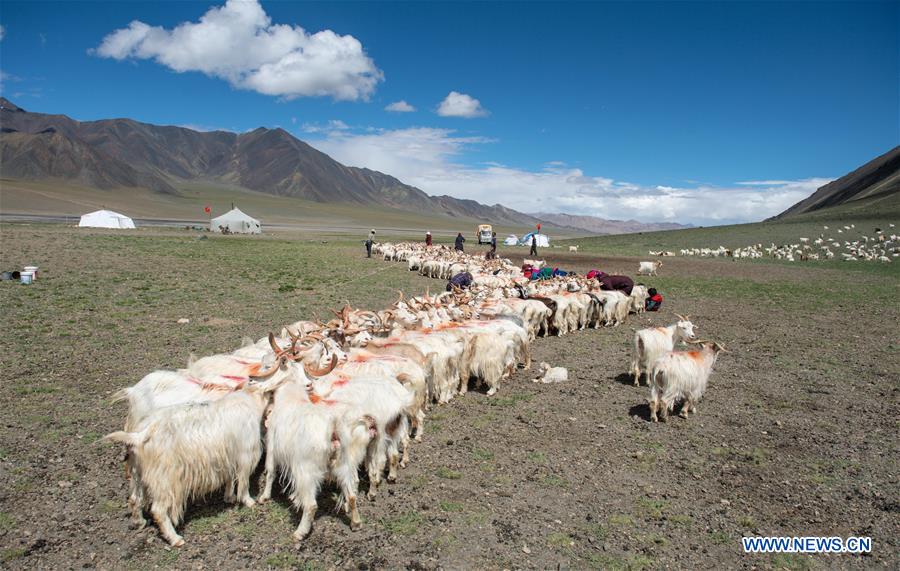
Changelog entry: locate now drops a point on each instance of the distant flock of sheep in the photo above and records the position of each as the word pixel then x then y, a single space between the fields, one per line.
pixel 879 247
pixel 321 400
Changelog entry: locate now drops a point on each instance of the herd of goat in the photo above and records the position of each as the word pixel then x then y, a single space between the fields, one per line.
pixel 322 400
pixel 879 247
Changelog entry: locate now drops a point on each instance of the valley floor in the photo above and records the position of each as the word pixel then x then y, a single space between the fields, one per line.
pixel 797 435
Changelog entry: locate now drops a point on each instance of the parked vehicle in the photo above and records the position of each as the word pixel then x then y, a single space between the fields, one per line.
pixel 484 233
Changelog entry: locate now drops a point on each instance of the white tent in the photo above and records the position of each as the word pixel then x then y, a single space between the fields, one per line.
pixel 511 240
pixel 236 222
pixel 106 219
pixel 542 240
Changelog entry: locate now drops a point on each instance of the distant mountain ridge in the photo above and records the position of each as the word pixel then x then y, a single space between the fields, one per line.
pixel 878 178
pixel 123 153
pixel 597 225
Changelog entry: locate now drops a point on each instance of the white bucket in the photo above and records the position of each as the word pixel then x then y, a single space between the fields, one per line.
pixel 33 270
pixel 26 277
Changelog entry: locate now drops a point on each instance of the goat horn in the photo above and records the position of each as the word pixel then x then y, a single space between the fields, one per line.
pixel 324 370
pixel 274 345
pixel 722 348
pixel 271 370
pixel 292 335
pixel 681 317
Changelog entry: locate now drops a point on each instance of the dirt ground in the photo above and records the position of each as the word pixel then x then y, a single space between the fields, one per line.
pixel 797 435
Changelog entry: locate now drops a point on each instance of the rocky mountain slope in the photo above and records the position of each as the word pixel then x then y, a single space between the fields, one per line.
pixel 877 179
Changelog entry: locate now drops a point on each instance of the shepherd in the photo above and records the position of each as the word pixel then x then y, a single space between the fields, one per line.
pixel 492 253
pixel 461 280
pixel 369 242
pixel 533 251
pixel 459 242
pixel 623 284
pixel 428 238
pixel 653 301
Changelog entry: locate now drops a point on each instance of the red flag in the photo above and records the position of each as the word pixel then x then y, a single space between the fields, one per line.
pixel 207 209
pixel 539 227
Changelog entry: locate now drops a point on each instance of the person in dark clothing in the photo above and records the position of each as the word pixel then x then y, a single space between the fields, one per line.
pixel 369 242
pixel 654 301
pixel 623 284
pixel 533 251
pixel 461 280
pixel 459 242
pixel 492 253
pixel 427 238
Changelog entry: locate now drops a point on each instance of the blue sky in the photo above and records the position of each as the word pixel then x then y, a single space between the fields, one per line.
pixel 691 112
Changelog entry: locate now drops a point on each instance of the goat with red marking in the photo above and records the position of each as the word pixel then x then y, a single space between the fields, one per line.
pixel 681 375
pixel 652 343
pixel 193 449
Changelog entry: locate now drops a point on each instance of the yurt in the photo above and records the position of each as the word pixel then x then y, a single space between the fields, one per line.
pixel 511 240
pixel 106 219
pixel 542 240
pixel 236 222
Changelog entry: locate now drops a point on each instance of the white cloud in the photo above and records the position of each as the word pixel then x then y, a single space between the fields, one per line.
pixel 461 105
pixel 332 126
pixel 400 107
pixel 239 43
pixel 763 182
pixel 430 159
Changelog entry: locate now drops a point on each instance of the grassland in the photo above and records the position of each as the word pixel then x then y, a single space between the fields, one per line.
pixel 63 198
pixel 797 434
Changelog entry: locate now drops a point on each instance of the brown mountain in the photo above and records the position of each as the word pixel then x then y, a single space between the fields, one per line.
pixel 877 179
pixel 596 225
pixel 122 153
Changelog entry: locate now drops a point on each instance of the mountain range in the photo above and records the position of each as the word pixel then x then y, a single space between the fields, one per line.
pixel 122 154
pixel 596 225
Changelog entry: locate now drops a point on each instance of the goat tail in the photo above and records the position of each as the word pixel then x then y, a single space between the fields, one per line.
pixel 128 438
pixel 657 379
pixel 121 395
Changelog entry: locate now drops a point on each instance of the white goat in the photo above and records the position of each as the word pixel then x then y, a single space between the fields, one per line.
pixel 651 343
pixel 191 450
pixel 639 297
pixel 573 248
pixel 650 268
pixel 552 374
pixel 310 438
pixel 681 375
